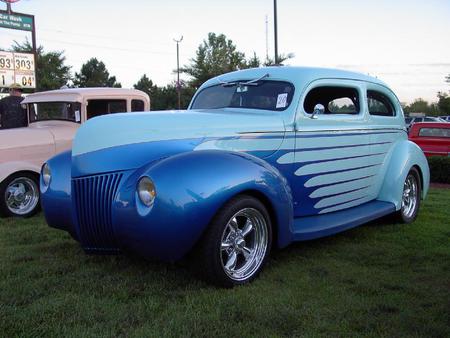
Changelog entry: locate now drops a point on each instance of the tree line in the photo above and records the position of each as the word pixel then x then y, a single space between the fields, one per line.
pixel 214 56
pixel 441 107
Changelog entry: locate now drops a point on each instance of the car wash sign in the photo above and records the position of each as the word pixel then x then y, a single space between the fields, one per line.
pixel 16 21
pixel 17 68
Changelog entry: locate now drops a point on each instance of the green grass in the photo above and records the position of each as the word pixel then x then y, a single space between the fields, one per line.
pixel 378 280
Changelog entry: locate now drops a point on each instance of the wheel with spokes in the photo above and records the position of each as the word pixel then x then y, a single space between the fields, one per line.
pixel 410 197
pixel 19 195
pixel 237 243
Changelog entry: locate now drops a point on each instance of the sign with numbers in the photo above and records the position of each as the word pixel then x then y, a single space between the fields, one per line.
pixel 17 68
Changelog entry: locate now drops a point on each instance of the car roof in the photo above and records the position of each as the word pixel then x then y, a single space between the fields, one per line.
pixel 78 94
pixel 297 75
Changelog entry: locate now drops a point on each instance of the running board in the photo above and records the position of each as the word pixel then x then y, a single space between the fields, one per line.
pixel 310 227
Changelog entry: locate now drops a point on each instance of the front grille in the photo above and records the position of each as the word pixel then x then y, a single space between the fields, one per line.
pixel 94 196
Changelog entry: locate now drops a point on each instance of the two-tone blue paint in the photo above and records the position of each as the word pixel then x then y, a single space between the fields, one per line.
pixel 316 177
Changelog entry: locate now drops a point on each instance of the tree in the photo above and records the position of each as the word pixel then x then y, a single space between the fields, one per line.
pixel 281 59
pixel 447 78
pixel 146 85
pixel 51 71
pixel 253 62
pixel 163 98
pixel 216 55
pixel 94 74
pixel 422 106
pixel 444 103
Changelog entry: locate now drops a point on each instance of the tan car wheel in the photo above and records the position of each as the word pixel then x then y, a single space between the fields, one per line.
pixel 19 195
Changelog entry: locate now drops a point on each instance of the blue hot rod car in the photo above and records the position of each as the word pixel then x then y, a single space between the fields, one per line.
pixel 262 157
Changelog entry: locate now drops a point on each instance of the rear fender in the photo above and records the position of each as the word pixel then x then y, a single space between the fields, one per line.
pixel 405 155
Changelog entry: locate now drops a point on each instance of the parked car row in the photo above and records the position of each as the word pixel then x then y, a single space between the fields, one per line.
pixel 53 119
pixel 410 120
pixel 262 158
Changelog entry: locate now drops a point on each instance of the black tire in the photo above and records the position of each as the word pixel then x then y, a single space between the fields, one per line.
pixel 29 180
pixel 410 198
pixel 224 244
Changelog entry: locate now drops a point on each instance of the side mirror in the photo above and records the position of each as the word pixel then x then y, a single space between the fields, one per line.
pixel 318 110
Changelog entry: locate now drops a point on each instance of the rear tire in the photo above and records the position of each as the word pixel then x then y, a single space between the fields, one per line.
pixel 410 198
pixel 235 247
pixel 19 195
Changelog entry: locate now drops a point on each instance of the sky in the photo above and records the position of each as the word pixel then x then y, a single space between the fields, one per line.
pixel 404 43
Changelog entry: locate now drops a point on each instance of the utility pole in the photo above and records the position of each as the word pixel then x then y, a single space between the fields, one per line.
pixel 178 71
pixel 267 37
pixel 275 30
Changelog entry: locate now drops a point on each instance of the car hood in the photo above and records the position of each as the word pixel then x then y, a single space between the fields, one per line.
pixel 125 141
pixel 24 137
pixel 25 145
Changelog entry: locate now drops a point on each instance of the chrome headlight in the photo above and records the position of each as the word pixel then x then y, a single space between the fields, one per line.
pixel 46 174
pixel 146 191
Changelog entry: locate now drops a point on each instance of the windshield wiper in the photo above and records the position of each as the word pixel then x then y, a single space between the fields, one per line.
pixel 240 83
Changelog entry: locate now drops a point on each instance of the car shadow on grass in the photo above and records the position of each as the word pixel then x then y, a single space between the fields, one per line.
pixel 129 267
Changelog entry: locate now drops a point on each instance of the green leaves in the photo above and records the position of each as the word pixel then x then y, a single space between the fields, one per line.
pixel 94 74
pixel 216 55
pixel 164 98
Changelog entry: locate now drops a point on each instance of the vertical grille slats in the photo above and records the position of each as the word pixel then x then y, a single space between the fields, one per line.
pixel 94 196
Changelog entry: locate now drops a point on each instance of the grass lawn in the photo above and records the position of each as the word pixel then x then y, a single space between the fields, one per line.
pixel 378 280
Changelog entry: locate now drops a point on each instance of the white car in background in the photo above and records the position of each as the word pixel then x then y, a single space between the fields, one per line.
pixel 53 119
pixel 414 119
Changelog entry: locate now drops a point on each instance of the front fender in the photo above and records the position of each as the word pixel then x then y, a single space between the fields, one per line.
pixel 9 168
pixel 56 198
pixel 191 187
pixel 405 155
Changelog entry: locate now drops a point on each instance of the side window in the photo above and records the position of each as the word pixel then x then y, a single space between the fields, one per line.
pixel 102 107
pixel 137 105
pixel 336 100
pixel 379 104
pixel 434 132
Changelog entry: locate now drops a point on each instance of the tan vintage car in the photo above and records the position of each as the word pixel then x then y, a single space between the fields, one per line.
pixel 54 117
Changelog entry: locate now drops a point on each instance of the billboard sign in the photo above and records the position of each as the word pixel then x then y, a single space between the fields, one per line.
pixel 17 68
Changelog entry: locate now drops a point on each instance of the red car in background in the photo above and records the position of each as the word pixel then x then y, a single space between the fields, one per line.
pixel 432 137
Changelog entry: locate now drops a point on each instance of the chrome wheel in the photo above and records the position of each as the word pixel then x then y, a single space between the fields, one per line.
pixel 244 244
pixel 410 196
pixel 21 196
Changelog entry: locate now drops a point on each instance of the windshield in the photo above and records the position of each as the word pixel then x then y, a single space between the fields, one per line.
pixel 260 94
pixel 68 111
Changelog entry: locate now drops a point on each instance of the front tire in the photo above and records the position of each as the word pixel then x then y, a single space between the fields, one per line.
pixel 236 244
pixel 19 195
pixel 410 197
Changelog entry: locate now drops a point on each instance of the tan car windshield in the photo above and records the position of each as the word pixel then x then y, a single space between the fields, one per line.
pixel 68 111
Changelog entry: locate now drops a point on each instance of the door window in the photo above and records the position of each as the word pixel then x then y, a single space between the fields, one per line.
pixel 336 100
pixel 102 107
